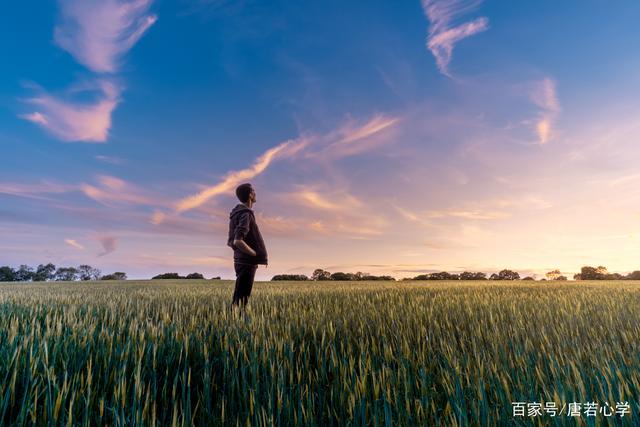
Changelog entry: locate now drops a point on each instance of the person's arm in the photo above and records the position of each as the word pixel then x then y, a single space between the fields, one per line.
pixel 241 231
pixel 242 245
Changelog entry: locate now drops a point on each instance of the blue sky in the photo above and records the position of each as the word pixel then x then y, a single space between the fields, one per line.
pixel 386 137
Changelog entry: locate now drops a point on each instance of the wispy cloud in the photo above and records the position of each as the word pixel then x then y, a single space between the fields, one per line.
pixel 234 178
pixel 332 142
pixel 333 212
pixel 544 95
pixel 106 191
pixel 32 190
pixel 111 160
pixel 442 37
pixel 411 216
pixel 73 121
pixel 72 242
pixel 371 127
pixel 332 201
pixel 108 243
pixel 97 33
pixel 467 214
pixel 112 189
pixel 353 137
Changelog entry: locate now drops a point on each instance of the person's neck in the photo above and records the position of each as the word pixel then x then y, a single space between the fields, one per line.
pixel 248 204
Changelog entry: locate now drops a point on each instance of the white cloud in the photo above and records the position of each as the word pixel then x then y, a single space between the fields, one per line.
pixel 442 37
pixel 97 33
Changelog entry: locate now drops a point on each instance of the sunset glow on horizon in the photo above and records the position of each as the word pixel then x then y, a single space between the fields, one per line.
pixel 395 138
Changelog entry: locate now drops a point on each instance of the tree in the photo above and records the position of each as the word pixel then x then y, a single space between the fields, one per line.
pixel 7 274
pixel 369 277
pixel 215 278
pixel 505 275
pixel 361 276
pixel 561 278
pixel 67 274
pixel 24 274
pixel 553 274
pixel 296 277
pixel 443 275
pixel 528 278
pixel 508 275
pixel 118 275
pixel 591 273
pixel 44 273
pixel 341 276
pixel 86 272
pixel 167 276
pixel 320 274
pixel 635 275
pixel 194 276
pixel 467 275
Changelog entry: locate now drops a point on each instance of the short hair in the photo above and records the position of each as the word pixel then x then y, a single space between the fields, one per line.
pixel 243 191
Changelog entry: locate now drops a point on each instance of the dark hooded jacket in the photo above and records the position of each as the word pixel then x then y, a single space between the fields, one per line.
pixel 243 226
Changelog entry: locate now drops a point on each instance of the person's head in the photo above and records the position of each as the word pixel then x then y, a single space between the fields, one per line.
pixel 246 193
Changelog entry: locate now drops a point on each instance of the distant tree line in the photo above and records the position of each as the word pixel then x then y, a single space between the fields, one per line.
pixel 296 277
pixel 84 272
pixel 174 276
pixel 601 273
pixel 49 272
pixel 320 274
pixel 586 273
pixel 467 275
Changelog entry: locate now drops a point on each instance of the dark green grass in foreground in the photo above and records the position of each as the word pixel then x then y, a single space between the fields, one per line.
pixel 425 353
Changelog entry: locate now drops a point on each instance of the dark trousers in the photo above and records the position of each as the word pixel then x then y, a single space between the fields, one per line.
pixel 244 282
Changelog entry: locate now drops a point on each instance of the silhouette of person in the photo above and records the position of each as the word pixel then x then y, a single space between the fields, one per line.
pixel 248 246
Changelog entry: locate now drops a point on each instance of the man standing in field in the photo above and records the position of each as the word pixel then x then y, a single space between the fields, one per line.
pixel 248 247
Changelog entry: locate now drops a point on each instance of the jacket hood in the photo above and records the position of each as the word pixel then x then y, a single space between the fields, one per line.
pixel 239 208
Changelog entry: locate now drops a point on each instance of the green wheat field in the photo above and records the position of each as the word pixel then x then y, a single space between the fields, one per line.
pixel 316 353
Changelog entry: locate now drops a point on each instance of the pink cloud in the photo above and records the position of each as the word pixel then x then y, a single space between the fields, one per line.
pixel 97 33
pixel 329 201
pixel 29 190
pixel 76 121
pixel 442 38
pixel 232 179
pixel 108 243
pixel 353 137
pixel 72 242
pixel 544 95
pixel 108 190
pixel 112 189
pixel 377 124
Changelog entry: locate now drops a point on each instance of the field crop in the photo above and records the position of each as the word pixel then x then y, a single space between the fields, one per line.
pixel 316 353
